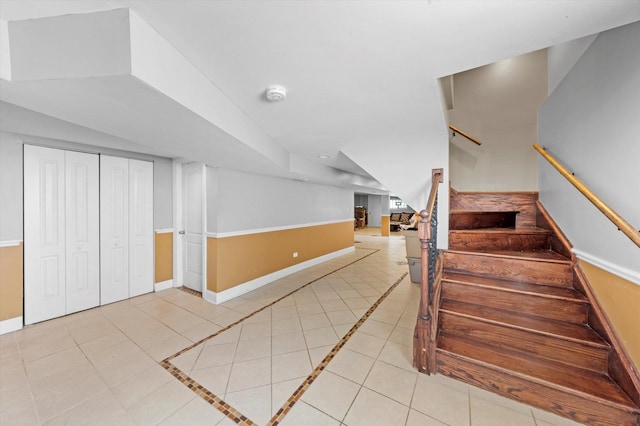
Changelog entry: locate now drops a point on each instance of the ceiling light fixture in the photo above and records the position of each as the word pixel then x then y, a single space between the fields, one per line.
pixel 324 156
pixel 275 93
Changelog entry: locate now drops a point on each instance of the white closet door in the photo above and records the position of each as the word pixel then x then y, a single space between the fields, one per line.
pixel 114 229
pixel 44 234
pixel 141 247
pixel 82 231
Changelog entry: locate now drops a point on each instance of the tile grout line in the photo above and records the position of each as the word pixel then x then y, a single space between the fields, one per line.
pixel 297 394
pixel 207 395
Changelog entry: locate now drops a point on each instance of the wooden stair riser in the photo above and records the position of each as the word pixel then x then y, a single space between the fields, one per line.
pixel 557 400
pixel 573 311
pixel 471 240
pixel 462 219
pixel 541 272
pixel 556 348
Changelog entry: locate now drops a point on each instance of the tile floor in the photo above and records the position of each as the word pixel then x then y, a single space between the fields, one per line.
pixel 296 352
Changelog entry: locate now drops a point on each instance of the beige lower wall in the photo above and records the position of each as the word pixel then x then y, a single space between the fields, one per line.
pixel 163 257
pixel 11 282
pixel 385 227
pixel 620 299
pixel 235 260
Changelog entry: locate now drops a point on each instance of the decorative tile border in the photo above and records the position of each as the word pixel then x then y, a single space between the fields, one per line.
pixel 277 418
pixel 227 409
pixel 190 291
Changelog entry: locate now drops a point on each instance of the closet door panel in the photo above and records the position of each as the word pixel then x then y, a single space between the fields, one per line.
pixel 140 227
pixel 44 234
pixel 114 229
pixel 83 232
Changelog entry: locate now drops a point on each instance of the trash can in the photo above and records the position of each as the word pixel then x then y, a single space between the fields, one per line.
pixel 415 269
pixel 412 243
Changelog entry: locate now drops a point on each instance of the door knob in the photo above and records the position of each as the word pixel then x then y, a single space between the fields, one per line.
pixel 181 232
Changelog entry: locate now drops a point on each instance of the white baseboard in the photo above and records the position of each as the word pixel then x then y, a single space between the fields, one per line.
pixel 620 271
pixel 240 289
pixel 11 324
pixel 164 285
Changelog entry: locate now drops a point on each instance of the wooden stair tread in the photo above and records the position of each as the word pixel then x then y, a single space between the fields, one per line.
pixel 515 286
pixel 570 379
pixel 488 212
pixel 539 255
pixel 518 231
pixel 569 331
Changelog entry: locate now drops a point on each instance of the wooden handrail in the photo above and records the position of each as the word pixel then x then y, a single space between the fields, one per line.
pixel 466 135
pixel 614 217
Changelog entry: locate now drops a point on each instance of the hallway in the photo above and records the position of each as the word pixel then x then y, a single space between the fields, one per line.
pixel 328 345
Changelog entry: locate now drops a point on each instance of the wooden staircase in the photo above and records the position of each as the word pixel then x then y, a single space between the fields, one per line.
pixel 515 316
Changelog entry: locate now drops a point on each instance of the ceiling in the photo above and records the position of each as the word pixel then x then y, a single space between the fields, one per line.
pixel 361 76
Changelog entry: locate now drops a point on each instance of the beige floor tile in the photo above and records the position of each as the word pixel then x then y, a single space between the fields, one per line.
pixel 283 312
pixel 92 411
pixel 253 349
pixel 307 309
pixel 262 316
pixel 280 393
pixel 187 360
pixel 320 337
pixel 357 303
pixel 318 354
pixel 120 418
pixel 543 417
pixel 121 371
pixel 477 393
pixel 48 371
pixel 215 379
pixel 398 355
pixel 196 412
pixel 103 342
pixel 365 344
pixel 140 385
pixel 254 403
pixel 303 414
pixel 231 335
pixel 416 418
pixel 342 330
pixel 441 402
pixel 160 404
pixel 54 398
pixel 43 345
pixel 333 305
pixel 86 330
pixel 288 343
pixel 286 326
pixel 331 394
pixel 342 317
pixel 372 408
pixel 376 328
pixel 255 330
pixel 250 374
pixel 402 336
pixel 168 347
pixel 290 366
pixel 19 415
pixel 351 365
pixel 201 331
pixel 485 413
pixel 215 355
pixel 392 382
pixel 387 317
pixel 310 322
pixel 117 353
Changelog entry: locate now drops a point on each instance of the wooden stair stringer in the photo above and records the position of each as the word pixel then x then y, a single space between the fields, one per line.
pixel 563 401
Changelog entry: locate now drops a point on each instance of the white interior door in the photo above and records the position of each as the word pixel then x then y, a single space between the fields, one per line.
pixel 193 225
pixel 114 229
pixel 44 234
pixel 82 252
pixel 140 227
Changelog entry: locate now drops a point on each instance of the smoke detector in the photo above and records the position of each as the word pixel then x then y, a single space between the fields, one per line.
pixel 275 93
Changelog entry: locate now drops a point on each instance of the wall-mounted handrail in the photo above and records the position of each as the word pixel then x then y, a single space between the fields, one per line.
pixel 466 135
pixel 614 217
pixel 426 329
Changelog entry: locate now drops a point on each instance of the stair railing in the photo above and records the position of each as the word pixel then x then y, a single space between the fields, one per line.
pixel 466 135
pixel 614 217
pixel 424 345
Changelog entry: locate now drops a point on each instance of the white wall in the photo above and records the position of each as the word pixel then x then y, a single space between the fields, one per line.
pixel 239 201
pixel 10 187
pixel 562 57
pixel 590 124
pixel 498 105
